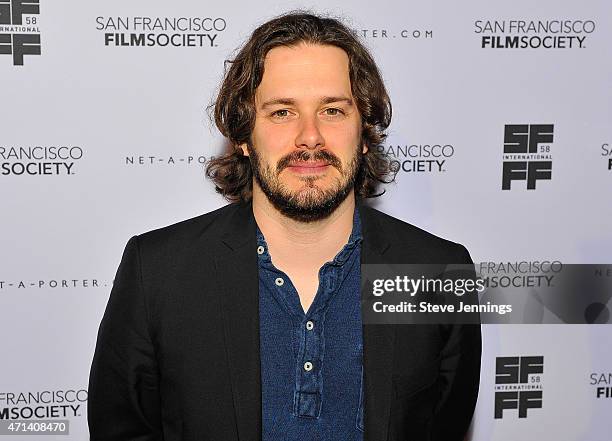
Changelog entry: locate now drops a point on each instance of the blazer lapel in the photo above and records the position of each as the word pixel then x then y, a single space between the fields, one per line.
pixel 378 341
pixel 237 273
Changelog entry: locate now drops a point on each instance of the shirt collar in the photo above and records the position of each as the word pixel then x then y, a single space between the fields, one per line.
pixel 354 239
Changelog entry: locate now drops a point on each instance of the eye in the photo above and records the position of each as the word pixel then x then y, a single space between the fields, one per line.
pixel 333 111
pixel 281 113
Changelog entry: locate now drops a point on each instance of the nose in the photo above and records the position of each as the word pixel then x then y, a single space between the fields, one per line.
pixel 309 135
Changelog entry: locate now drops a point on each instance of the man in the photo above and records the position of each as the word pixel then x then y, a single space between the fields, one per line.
pixel 245 323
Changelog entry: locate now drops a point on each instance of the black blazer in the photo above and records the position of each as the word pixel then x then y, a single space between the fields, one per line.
pixel 177 354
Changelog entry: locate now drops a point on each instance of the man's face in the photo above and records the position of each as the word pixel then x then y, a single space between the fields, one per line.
pixel 306 146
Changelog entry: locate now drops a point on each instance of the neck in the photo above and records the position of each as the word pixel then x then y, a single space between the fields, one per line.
pixel 295 242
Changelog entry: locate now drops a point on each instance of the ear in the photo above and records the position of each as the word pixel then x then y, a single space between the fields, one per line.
pixel 244 149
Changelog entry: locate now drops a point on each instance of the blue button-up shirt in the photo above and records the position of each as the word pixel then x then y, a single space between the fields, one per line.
pixel 311 363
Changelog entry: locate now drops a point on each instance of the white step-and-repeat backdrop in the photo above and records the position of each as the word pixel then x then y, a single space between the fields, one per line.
pixel 104 133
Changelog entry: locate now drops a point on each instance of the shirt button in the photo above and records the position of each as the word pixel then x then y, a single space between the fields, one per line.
pixel 279 281
pixel 308 366
pixel 309 325
pixel 260 249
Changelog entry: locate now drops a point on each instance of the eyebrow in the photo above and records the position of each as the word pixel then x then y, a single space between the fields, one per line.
pixel 291 101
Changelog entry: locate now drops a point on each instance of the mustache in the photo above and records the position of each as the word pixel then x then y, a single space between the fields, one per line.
pixel 306 156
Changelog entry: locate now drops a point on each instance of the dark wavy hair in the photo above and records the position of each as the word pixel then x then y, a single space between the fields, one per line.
pixel 234 106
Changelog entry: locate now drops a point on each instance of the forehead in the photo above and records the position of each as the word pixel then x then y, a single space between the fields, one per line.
pixel 305 71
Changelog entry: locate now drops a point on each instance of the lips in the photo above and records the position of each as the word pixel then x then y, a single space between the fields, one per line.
pixel 313 164
pixel 309 167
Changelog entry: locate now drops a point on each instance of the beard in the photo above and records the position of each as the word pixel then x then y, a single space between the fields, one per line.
pixel 309 203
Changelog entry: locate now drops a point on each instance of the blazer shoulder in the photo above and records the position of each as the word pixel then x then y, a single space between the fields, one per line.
pixel 408 236
pixel 181 235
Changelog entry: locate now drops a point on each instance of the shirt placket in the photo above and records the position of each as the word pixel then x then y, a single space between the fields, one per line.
pixel 310 331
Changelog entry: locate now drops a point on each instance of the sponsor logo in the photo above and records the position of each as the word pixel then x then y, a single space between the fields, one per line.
pixel 19 32
pixel 144 160
pixel 518 384
pixel 602 384
pixel 144 31
pixel 519 274
pixel 606 152
pixel 419 158
pixel 59 283
pixel 527 154
pixel 46 404
pixel 405 33
pixel 534 34
pixel 39 160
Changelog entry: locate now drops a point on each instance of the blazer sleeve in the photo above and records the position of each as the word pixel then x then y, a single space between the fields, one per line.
pixel 460 372
pixel 124 398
